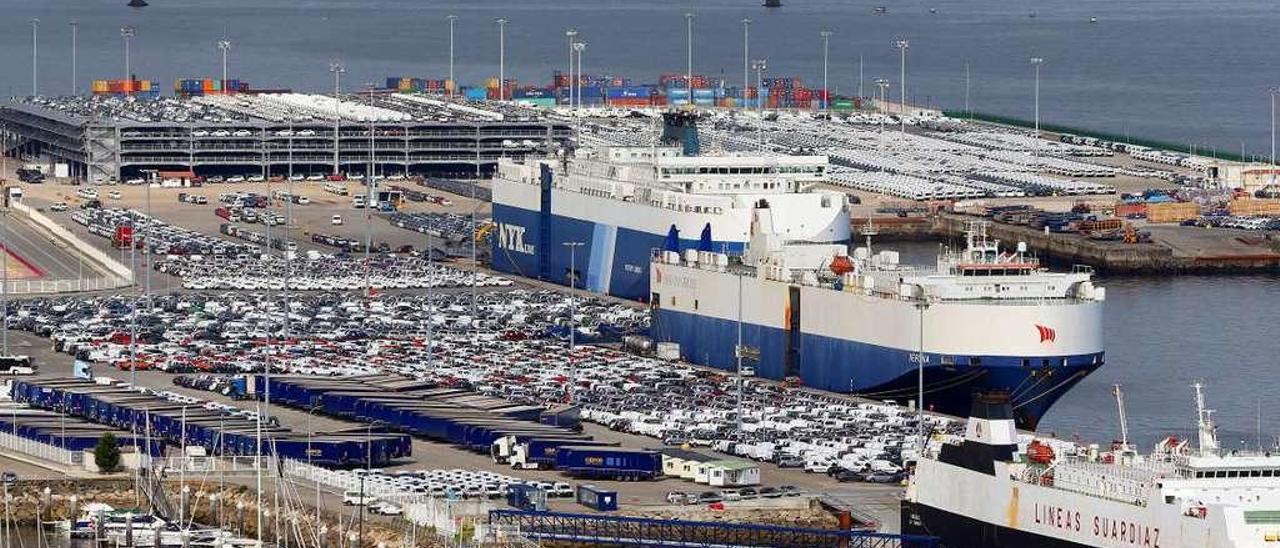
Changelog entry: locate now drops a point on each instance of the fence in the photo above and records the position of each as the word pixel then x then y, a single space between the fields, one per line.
pixel 234 465
pixel 117 275
pixel 599 530
pixel 102 283
pixel 42 451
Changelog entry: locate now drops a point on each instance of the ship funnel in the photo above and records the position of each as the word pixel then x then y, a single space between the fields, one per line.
pixel 989 437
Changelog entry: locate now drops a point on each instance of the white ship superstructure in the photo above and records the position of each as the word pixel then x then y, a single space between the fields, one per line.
pixel 621 202
pixel 991 490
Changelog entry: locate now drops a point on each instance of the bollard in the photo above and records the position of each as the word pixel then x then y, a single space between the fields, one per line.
pixel 186 538
pixel 156 538
pixel 240 518
pixel 128 529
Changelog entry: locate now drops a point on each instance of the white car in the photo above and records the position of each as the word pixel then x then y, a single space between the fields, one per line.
pixel 336 220
pixel 114 194
pixel 58 206
pixel 235 179
pixel 385 508
pixel 353 498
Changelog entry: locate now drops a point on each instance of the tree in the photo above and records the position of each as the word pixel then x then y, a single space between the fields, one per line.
pixel 106 454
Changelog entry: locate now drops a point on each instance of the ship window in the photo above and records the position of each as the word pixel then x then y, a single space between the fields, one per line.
pixel 1233 474
pixel 673 300
pixel 1266 473
pixel 695 304
pixel 975 361
pixel 1064 362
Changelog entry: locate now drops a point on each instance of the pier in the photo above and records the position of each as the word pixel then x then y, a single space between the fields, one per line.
pixel 1173 249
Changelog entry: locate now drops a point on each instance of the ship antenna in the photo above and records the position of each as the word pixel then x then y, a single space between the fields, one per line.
pixel 1124 423
pixel 1204 422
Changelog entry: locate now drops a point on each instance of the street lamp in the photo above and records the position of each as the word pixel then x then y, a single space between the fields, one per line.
pixel 688 19
pixel 760 65
pixel 569 34
pixel 75 28
pixel 921 305
pixel 826 41
pixel 746 52
pixel 1273 91
pixel 883 84
pixel 35 48
pixel 337 69
pixel 453 86
pixel 902 46
pixel 573 312
pixel 502 59
pixel 127 33
pixel 4 285
pixel 1035 62
pixel 579 47
pixel 225 46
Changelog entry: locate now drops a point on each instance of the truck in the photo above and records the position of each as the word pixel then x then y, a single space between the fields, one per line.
pixel 537 452
pixel 608 462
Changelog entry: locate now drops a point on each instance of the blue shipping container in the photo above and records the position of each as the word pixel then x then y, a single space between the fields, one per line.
pixel 477 94
pixel 597 499
pixel 630 92
pixel 608 462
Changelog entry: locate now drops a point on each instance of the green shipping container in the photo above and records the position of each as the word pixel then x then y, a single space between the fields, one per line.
pixel 842 104
pixel 545 102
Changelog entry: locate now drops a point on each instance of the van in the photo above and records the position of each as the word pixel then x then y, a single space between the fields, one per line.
pixel 354 498
pixel 358 202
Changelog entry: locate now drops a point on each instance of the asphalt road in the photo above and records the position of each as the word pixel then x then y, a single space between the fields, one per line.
pixel 49 256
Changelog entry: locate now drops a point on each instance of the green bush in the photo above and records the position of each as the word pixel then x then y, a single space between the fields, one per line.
pixel 106 454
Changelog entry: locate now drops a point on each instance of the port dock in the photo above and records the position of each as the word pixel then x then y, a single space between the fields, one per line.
pixel 1173 249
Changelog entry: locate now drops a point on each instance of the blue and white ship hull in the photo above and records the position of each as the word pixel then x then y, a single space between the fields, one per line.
pixel 856 342
pixel 534 218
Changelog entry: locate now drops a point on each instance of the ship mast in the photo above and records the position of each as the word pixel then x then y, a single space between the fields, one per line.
pixel 1124 423
pixel 1204 422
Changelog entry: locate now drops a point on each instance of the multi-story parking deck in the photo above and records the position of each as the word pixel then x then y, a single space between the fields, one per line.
pixel 103 139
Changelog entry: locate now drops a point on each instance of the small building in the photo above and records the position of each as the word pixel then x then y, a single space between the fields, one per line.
pixel 683 464
pixel 731 473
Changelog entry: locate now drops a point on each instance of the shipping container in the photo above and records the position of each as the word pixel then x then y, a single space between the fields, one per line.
pixel 595 498
pixel 631 92
pixel 1175 212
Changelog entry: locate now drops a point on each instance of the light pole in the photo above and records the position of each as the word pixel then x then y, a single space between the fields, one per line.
pixel 337 69
pixel 35 49
pixel 4 285
pixel 569 34
pixel 883 84
pixel 746 52
pixel 502 57
pixel 1273 91
pixel 922 304
pixel 826 42
pixel 966 88
pixel 1035 62
pixel 688 19
pixel 453 86
pixel 127 33
pixel 579 47
pixel 75 28
pixel 573 321
pixel 861 95
pixel 225 46
pixel 760 65
pixel 902 46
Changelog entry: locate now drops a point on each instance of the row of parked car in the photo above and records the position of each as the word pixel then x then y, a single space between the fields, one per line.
pixel 316 271
pixel 733 495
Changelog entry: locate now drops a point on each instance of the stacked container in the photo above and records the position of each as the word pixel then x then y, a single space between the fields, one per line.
pixel 145 89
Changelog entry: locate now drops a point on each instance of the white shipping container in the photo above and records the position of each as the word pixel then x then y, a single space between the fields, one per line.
pixel 668 351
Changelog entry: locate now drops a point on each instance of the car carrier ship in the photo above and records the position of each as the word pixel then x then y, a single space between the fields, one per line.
pixel 592 217
pixel 984 319
pixel 996 489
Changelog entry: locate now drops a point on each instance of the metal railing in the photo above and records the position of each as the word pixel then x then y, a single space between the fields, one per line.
pixel 44 287
pixel 42 451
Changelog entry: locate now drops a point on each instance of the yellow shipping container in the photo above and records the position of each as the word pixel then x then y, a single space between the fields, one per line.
pixel 1172 212
pixel 99 85
pixel 146 85
pixel 448 85
pixel 1252 206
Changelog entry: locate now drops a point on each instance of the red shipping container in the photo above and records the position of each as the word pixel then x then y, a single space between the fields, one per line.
pixel 803 94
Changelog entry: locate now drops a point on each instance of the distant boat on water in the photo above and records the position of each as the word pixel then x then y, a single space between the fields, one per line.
pixel 772 3
pixel 138 3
